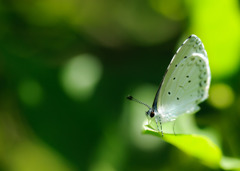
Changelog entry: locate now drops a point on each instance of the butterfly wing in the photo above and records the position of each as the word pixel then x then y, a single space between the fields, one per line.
pixel 186 82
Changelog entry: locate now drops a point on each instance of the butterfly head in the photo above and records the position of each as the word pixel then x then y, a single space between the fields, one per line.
pixel 150 113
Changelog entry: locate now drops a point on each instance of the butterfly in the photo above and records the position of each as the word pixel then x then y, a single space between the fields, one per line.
pixel 185 84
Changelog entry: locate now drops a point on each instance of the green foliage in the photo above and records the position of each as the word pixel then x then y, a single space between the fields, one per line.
pixel 67 66
pixel 198 146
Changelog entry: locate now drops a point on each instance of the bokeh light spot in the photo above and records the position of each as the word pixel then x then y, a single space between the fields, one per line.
pixel 210 20
pixel 80 75
pixel 221 96
pixel 138 118
pixel 30 92
pixel 102 166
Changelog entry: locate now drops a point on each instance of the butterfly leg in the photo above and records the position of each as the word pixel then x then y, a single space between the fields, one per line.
pixel 174 126
pixel 158 119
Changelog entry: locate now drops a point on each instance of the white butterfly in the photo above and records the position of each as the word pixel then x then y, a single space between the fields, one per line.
pixel 184 86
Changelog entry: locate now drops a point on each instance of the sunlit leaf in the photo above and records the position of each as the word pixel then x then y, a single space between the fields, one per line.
pixel 198 146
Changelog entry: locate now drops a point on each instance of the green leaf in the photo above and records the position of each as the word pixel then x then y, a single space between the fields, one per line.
pixel 198 146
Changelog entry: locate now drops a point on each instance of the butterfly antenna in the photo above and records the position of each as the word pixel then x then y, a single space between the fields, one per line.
pixel 133 99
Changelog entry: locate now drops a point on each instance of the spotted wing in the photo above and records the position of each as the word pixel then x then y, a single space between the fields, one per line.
pixel 186 82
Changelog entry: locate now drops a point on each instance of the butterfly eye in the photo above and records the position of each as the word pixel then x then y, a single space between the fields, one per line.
pixel 152 114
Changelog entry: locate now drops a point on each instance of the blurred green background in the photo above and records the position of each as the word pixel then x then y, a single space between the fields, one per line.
pixel 67 66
